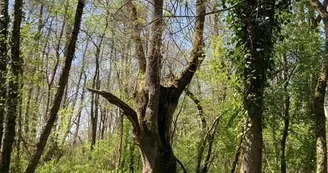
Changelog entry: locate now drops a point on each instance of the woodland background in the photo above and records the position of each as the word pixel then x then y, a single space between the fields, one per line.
pixel 89 134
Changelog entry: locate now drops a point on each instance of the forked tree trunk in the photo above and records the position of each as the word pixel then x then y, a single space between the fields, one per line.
pixel 155 146
pixel 155 104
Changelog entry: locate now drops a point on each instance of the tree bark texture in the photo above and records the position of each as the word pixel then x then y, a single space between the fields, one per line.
pixel 13 99
pixel 319 96
pixel 69 54
pixel 155 104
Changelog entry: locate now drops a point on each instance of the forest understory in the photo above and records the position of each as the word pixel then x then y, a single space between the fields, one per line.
pixel 163 86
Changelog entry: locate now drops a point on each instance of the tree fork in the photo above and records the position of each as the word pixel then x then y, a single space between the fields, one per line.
pixel 155 104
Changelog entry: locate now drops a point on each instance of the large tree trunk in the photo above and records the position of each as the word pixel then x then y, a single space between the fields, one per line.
pixel 156 157
pixel 252 145
pixel 319 96
pixel 156 151
pixel 13 90
pixel 319 112
pixel 69 54
pixel 155 104
pixel 256 36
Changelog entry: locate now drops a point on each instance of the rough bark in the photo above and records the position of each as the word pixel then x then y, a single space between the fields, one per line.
pixel 155 104
pixel 13 99
pixel 319 97
pixel 139 51
pixel 69 54
pixel 252 147
pixel 320 119
pixel 4 21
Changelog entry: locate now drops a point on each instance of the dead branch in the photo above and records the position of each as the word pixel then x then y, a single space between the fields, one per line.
pixel 127 110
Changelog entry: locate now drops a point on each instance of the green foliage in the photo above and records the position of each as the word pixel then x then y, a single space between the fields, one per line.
pixel 218 84
pixel 298 55
pixel 84 161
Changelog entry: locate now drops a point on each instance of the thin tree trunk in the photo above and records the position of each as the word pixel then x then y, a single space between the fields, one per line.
pixel 32 53
pixel 94 108
pixel 237 155
pixel 56 66
pixel 18 165
pixel 120 149
pixel 13 90
pixel 69 54
pixel 77 89
pixel 103 123
pixel 203 140
pixel 209 138
pixel 132 163
pixel 286 118
pixel 79 112
pixel 95 98
pixel 285 134
pixel 4 22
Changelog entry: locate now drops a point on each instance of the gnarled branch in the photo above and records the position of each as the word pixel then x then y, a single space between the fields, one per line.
pixel 127 110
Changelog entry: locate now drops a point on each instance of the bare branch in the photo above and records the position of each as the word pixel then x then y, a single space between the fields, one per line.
pixel 127 110
pixel 320 8
pixel 316 20
pixel 199 107
pixel 205 14
pixel 197 54
pixel 238 152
